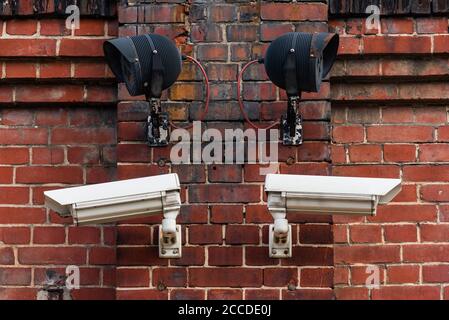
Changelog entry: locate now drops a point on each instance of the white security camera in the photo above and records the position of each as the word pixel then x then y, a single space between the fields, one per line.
pixel 321 195
pixel 124 200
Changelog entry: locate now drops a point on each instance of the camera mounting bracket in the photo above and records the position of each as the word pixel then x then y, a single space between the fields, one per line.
pixel 170 237
pixel 292 131
pixel 158 125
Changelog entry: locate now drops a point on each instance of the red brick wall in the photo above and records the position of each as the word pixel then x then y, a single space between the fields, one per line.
pixel 57 128
pixel 224 217
pixel 390 119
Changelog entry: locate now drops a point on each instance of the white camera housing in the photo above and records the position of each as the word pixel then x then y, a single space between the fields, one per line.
pixel 124 200
pixel 321 195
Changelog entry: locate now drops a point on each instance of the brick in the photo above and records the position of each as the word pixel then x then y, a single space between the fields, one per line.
pixel 435 273
pixel 28 47
pixel 84 235
pixel 399 134
pixel 426 253
pixel 399 153
pixel 187 294
pixel 15 235
pixel 139 256
pixel 48 235
pixel 20 70
pixel 373 171
pixel 51 117
pixel 219 193
pixel 225 256
pixel 18 293
pixel 170 277
pixel 311 256
pixel 350 293
pixel 81 48
pixel 34 175
pixel 407 293
pixel 26 27
pixel 344 134
pixel 365 153
pixel 340 233
pixel 133 153
pixel 83 155
pixel 18 215
pixel 397 26
pixel 405 213
pixel 431 173
pixel 258 256
pixel 367 254
pixel 241 33
pixel 91 27
pixel 434 233
pixel 226 214
pixel 14 156
pixel 224 294
pixel 222 72
pixel 366 234
pixel 47 155
pixel 102 256
pixel 258 214
pixel 83 136
pixel 49 70
pixel 400 233
pixel 213 52
pixel 225 173
pixel 280 277
pixel 432 25
pixel 205 234
pixel 206 32
pixel 341 275
pixel 270 31
pixel 308 294
pixel 441 44
pixel 133 277
pixel 433 152
pixel 143 294
pixel 15 276
pixel 53 94
pixel 262 294
pixel 236 234
pixel 293 11
pixel 397 45
pixel 431 115
pixel 402 274
pixel 437 192
pixel 222 13
pixel 52 255
pixel 186 91
pixel 349 46
pixel 315 234
pixel 407 194
pixel 191 256
pixel 225 277
pixel 14 195
pixel 193 214
pixel 164 13
pixel 53 27
pixel 318 277
pixel 6 256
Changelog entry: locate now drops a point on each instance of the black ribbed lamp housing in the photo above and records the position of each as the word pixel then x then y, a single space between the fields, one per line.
pixel 133 61
pixel 314 55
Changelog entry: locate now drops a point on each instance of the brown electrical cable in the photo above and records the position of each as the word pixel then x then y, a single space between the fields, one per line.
pixel 241 103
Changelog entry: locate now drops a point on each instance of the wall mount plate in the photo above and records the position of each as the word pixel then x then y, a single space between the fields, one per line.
pixel 170 248
pixel 280 249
